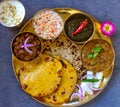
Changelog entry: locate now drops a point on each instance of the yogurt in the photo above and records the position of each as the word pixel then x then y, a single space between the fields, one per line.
pixel 12 13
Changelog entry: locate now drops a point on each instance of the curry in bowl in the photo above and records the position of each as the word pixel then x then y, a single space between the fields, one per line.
pixel 97 55
pixel 79 27
pixel 26 46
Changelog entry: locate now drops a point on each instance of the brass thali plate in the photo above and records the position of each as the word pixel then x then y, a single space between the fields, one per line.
pixel 64 48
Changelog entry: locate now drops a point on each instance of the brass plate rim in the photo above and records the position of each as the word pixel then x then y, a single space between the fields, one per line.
pixel 97 25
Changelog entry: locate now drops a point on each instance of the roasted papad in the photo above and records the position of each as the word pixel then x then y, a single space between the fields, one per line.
pixel 42 77
pixel 66 87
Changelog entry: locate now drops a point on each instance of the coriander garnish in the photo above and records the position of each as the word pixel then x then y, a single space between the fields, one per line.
pixel 96 51
pixel 90 80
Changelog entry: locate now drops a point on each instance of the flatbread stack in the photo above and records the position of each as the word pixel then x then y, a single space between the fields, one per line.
pixel 66 87
pixel 50 79
pixel 42 79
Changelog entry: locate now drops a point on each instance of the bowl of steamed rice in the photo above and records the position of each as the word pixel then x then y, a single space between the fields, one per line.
pixel 47 24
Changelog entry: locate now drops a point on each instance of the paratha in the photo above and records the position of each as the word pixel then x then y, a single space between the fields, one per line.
pixel 66 49
pixel 66 87
pixel 42 77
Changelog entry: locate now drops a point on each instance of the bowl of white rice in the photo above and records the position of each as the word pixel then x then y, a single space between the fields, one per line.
pixel 47 24
pixel 12 13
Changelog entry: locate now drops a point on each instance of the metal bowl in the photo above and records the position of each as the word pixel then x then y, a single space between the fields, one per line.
pixel 47 24
pixel 97 55
pixel 26 46
pixel 74 22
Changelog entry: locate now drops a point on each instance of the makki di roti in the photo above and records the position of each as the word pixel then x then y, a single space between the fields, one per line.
pixel 66 87
pixel 42 77
pixel 51 79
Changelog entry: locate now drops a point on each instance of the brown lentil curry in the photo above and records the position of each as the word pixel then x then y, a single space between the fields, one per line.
pixel 103 58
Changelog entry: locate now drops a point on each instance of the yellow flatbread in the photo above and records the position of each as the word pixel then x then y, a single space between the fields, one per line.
pixel 41 78
pixel 66 87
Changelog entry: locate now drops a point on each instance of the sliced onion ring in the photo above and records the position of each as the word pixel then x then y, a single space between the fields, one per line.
pixel 25 45
pixel 80 90
pixel 79 93
pixel 95 89
pixel 75 94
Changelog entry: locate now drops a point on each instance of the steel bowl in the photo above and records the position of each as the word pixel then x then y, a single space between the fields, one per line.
pixel 75 22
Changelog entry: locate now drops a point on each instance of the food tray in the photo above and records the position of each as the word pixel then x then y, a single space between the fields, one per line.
pixel 68 50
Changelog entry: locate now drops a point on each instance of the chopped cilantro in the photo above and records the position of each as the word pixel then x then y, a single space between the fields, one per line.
pixel 90 80
pixel 89 55
pixel 96 51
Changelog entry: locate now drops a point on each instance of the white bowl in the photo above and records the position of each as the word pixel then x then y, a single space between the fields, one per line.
pixel 12 13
